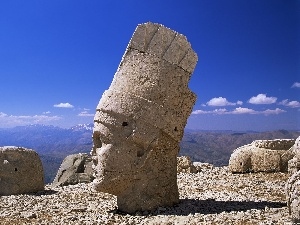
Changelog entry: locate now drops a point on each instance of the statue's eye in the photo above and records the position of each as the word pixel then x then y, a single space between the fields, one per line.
pixel 124 124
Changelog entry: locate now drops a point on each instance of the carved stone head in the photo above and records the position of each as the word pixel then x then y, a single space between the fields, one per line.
pixel 140 119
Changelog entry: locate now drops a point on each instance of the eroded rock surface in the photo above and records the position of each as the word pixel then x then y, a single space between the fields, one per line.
pixel 140 119
pixel 293 184
pixel 262 156
pixel 76 168
pixel 185 165
pixel 21 171
pixel 292 195
pixel 294 164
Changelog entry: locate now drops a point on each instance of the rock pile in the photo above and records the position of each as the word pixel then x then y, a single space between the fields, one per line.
pixel 76 168
pixel 140 119
pixel 21 171
pixel 212 196
pixel 262 156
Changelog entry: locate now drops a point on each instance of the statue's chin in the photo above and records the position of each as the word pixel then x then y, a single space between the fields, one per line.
pixel 112 185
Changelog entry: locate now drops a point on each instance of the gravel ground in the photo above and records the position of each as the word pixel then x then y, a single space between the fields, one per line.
pixel 212 196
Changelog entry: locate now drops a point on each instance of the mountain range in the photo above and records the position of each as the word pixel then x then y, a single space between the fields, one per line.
pixel 53 144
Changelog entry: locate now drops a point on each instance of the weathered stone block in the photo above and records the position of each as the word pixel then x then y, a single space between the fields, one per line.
pixel 265 160
pixel 21 171
pixel 76 168
pixel 161 41
pixel 262 156
pixel 293 165
pixel 293 184
pixel 140 119
pixel 185 165
pixel 296 148
pixel 292 190
pixel 142 36
pixel 240 159
pixel 177 50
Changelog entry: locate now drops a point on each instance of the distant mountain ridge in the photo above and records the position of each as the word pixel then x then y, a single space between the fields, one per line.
pixel 216 147
pixel 53 144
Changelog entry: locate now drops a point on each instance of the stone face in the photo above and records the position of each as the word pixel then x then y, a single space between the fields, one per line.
pixel 185 165
pixel 293 184
pixel 292 194
pixel 140 119
pixel 21 171
pixel 76 168
pixel 296 148
pixel 262 156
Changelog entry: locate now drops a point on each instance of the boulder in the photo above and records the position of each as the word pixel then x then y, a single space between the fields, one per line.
pixel 294 163
pixel 296 148
pixel 262 156
pixel 203 166
pixel 140 119
pixel 21 171
pixel 185 165
pixel 76 168
pixel 292 191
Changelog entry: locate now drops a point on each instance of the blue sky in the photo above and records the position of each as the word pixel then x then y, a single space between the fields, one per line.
pixel 57 58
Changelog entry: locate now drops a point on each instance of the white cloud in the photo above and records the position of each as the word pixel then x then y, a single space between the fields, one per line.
pixel 48 112
pixel 292 104
pixel 262 99
pixel 12 121
pixel 2 114
pixel 220 111
pixel 216 111
pixel 220 101
pixel 85 113
pixel 63 105
pixel 199 111
pixel 296 85
pixel 273 111
pixel 284 102
pixel 239 110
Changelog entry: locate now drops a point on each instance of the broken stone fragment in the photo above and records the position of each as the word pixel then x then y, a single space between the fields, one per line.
pixel 262 156
pixel 21 171
pixel 76 168
pixel 185 165
pixel 140 119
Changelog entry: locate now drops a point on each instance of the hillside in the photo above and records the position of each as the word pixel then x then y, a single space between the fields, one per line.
pixel 216 147
pixel 53 144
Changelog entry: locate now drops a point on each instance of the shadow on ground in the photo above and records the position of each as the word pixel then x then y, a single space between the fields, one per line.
pixel 211 206
pixel 44 192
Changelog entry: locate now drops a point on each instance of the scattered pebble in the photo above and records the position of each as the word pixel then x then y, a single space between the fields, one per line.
pixel 212 196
